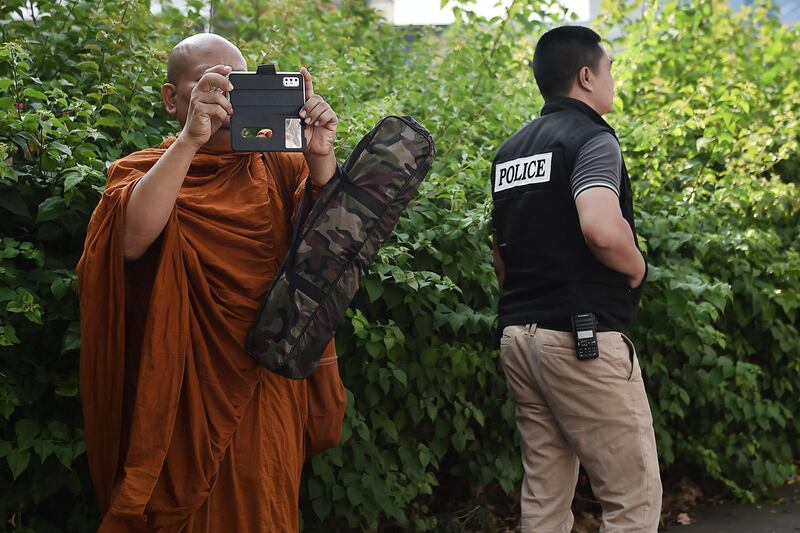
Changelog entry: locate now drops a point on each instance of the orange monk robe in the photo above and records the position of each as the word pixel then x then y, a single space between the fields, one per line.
pixel 184 431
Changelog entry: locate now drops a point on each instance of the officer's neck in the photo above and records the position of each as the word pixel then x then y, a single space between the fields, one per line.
pixel 586 97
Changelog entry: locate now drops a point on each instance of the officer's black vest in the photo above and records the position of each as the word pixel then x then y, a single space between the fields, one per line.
pixel 550 272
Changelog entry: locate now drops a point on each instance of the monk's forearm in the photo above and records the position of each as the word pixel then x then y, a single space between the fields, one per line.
pixel 321 168
pixel 153 198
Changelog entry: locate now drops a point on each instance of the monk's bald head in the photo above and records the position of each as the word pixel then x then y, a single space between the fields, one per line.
pixel 193 55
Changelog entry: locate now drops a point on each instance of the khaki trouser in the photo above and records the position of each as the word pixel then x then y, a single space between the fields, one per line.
pixel 592 411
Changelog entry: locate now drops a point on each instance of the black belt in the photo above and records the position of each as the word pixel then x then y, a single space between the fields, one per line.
pixel 564 324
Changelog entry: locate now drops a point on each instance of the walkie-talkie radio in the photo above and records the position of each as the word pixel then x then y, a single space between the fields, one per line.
pixel 584 329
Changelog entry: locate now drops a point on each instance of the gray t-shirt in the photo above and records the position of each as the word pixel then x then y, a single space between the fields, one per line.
pixel 598 164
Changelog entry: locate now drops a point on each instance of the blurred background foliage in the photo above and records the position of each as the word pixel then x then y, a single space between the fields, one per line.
pixel 707 110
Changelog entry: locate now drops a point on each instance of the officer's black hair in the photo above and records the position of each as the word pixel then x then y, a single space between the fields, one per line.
pixel 560 55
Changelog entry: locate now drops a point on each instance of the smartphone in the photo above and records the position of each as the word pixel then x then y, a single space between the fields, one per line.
pixel 267 101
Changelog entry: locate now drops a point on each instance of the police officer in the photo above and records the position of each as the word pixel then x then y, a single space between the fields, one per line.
pixel 571 274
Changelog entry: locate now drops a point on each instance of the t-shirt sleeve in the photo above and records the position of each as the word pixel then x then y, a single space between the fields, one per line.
pixel 598 164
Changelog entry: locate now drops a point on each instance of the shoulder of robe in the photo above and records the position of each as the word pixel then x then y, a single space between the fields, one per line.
pixel 132 166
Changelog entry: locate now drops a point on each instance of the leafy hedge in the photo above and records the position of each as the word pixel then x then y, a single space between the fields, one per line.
pixel 707 110
pixel 710 104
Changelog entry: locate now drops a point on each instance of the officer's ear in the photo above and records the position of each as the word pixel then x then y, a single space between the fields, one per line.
pixel 585 79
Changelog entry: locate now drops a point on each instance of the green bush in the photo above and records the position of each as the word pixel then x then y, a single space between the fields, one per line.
pixel 77 87
pixel 707 113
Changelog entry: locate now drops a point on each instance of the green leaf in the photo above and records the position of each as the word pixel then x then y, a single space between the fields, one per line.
pixel 25 303
pixel 34 94
pixel 50 209
pixel 109 121
pixel 322 507
pixel 87 66
pixel 68 387
pixel 363 431
pixel 430 357
pixel 58 288
pixel 424 456
pixel 400 376
pixel 315 489
pixel 354 495
pixel 18 461
pixel 26 430
pixel 61 147
pixel 43 448
pixel 71 179
pixel 58 429
pixel 459 440
pixel 65 453
pixel 112 108
pixel 374 288
pixel 478 415
pixel 390 429
pixel 72 338
pixel 8 336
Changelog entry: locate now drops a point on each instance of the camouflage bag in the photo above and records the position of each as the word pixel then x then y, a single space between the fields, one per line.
pixel 338 241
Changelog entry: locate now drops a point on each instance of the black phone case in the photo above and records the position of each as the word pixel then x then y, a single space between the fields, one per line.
pixel 270 100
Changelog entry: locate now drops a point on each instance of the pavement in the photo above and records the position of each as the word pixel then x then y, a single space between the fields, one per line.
pixel 780 514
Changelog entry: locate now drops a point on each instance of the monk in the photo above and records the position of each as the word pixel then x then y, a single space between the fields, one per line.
pixel 184 431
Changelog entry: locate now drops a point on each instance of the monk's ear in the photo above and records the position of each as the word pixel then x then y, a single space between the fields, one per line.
pixel 169 94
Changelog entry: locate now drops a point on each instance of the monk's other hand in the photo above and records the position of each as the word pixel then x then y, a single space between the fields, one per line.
pixel 321 121
pixel 209 107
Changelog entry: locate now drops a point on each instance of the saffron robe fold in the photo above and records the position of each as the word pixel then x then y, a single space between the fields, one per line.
pixel 184 431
